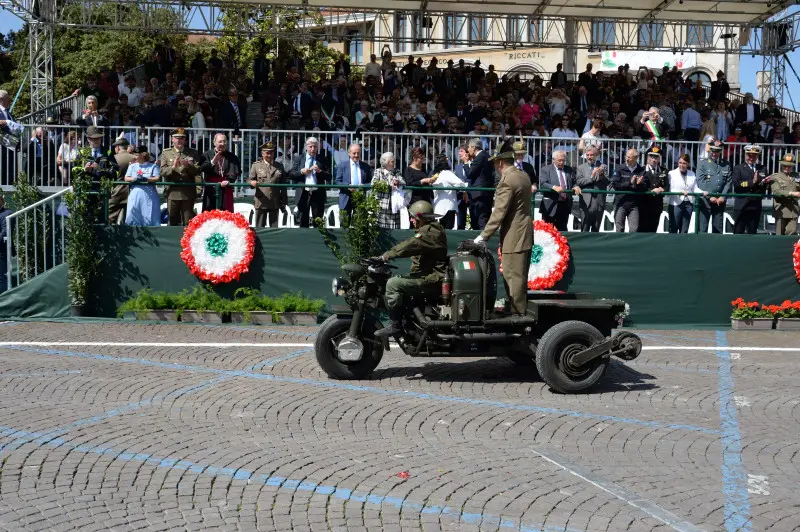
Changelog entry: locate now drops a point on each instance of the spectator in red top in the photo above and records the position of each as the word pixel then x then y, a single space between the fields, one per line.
pixel 107 85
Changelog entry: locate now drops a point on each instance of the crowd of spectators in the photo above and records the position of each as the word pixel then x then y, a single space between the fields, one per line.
pixel 605 113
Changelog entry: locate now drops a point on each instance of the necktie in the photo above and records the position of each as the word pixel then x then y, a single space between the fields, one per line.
pixel 356 177
pixel 297 103
pixel 563 183
pixel 238 116
pixel 518 165
pixel 583 103
pixel 95 154
pixel 311 179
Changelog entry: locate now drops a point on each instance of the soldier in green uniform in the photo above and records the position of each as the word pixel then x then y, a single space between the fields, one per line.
pixel 786 190
pixel 714 177
pixel 428 249
pixel 268 201
pixel 180 164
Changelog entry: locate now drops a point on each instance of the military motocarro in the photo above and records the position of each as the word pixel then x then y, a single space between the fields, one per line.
pixel 568 337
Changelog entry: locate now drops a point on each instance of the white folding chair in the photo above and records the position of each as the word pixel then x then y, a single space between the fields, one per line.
pixel 607 216
pixel 769 222
pixel 286 218
pixel 663 223
pixel 727 220
pixel 160 210
pixel 571 225
pixel 198 208
pixel 333 210
pixel 247 210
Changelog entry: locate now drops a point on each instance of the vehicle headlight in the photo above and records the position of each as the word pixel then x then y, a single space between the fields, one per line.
pixel 339 286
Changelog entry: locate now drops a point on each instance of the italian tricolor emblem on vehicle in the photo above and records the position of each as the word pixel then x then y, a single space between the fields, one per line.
pixel 466 265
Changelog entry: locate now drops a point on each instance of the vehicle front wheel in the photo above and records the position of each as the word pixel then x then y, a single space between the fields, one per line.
pixel 555 349
pixel 331 333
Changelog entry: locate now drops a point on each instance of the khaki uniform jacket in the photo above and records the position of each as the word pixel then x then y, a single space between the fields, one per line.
pixel 119 194
pixel 428 249
pixel 785 207
pixel 512 212
pixel 189 174
pixel 268 197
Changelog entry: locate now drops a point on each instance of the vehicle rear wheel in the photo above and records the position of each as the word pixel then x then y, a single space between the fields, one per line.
pixel 331 333
pixel 555 349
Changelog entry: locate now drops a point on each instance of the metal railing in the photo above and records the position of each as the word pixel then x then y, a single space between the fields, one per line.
pixel 48 164
pixel 36 239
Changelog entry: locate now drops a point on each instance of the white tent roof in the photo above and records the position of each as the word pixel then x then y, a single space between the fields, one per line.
pixel 715 12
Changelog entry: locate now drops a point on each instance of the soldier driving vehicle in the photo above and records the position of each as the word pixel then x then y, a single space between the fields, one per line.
pixel 446 308
pixel 428 247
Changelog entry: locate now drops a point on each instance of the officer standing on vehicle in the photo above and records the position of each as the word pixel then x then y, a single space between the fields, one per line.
pixel 428 249
pixel 714 177
pixel 785 202
pixel 512 215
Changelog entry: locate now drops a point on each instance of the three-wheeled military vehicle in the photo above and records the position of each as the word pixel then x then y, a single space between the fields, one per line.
pixel 568 337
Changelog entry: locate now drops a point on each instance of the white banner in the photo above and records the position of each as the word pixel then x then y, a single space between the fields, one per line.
pixel 655 60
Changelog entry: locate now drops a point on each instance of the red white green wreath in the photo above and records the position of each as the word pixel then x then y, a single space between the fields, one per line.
pixel 796 259
pixel 549 256
pixel 217 246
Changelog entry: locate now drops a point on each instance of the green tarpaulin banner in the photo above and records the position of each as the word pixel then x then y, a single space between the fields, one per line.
pixel 668 280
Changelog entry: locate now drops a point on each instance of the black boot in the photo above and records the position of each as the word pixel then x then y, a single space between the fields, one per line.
pixel 393 329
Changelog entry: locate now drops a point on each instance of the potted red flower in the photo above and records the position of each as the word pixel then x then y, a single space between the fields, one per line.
pixel 751 315
pixel 788 314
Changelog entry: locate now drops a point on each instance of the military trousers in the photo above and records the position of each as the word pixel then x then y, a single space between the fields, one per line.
pixel 783 226
pixel 709 211
pixel 400 290
pixel 746 221
pixel 267 217
pixel 515 279
pixel 180 212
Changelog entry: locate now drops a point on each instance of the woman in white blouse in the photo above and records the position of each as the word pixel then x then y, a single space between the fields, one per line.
pixel 569 143
pixel 67 153
pixel 681 206
pixel 445 202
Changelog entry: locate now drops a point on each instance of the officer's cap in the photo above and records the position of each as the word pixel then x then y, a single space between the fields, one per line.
pixel 655 151
pixel 715 145
pixel 752 148
pixel 519 148
pixel 92 132
pixel 179 133
pixel 268 146
pixel 120 141
pixel 788 160
pixel 505 150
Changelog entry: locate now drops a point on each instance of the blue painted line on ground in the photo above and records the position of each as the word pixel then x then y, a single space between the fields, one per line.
pixel 272 361
pixel 371 389
pixel 288 484
pixel 40 374
pixel 130 407
pixel 734 478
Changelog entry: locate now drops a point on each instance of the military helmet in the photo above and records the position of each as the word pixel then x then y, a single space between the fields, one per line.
pixel 420 208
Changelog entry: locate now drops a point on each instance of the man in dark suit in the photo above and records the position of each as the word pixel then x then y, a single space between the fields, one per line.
pixel 342 67
pixel 354 173
pixel 315 121
pixel 479 175
pixel 519 161
pixel 232 115
pixel 747 178
pixel 463 197
pixel 308 168
pixel 303 103
pixel 719 89
pixel 557 205
pixel 592 174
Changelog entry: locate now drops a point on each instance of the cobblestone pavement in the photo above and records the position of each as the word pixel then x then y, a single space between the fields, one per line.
pixel 130 426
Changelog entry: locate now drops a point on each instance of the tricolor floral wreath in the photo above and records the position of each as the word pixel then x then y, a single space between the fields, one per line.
pixel 218 246
pixel 796 259
pixel 549 256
